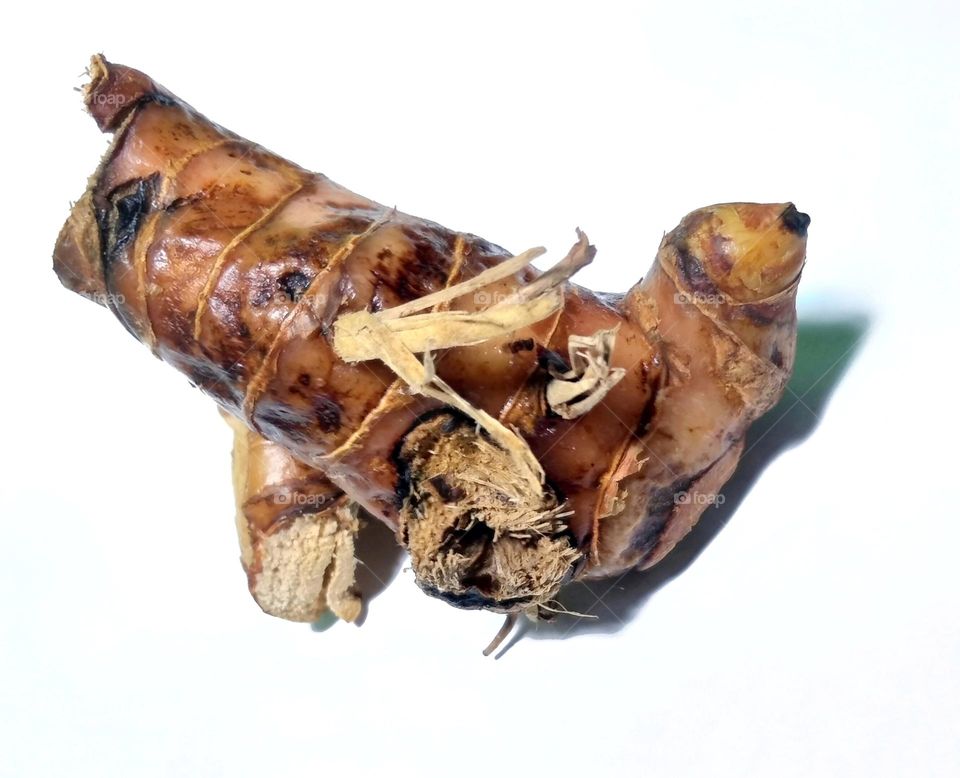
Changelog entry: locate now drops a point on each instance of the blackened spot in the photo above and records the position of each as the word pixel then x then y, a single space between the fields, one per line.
pixel 403 460
pixel 581 561
pixel 119 225
pixel 159 99
pixel 473 599
pixel 691 271
pixel 243 330
pixel 475 245
pixel 327 413
pixel 136 104
pixel 303 379
pixel 664 500
pixel 448 492
pixel 522 345
pixel 203 374
pixel 469 600
pixel 551 361
pixel 648 535
pixel 660 508
pixel 403 489
pixel 294 284
pixel 181 202
pixel 650 407
pixel 776 357
pixel 425 271
pixel 285 421
pixel 468 536
pixel 384 253
pixel 335 230
pixel 795 221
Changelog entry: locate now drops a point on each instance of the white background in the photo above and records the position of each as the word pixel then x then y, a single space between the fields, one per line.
pixel 817 634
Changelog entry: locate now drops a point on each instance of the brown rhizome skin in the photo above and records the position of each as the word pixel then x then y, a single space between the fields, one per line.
pixel 241 270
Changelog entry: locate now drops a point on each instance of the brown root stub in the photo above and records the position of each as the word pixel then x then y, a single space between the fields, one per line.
pixel 296 531
pixel 478 537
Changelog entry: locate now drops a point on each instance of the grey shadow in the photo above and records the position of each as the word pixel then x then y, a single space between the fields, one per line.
pixel 379 559
pixel 825 349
